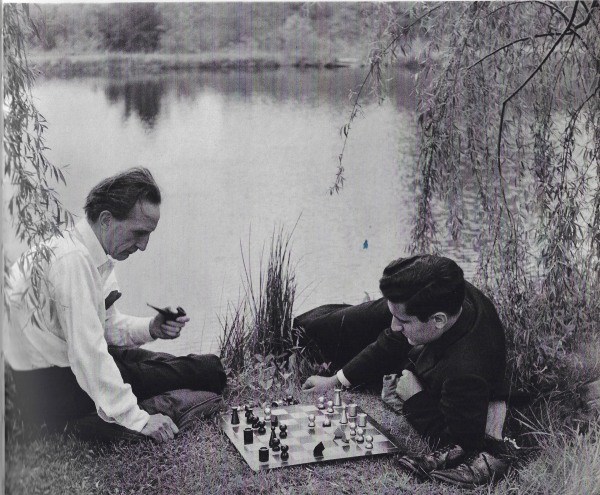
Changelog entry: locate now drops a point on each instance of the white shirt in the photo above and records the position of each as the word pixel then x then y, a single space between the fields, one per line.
pixel 73 328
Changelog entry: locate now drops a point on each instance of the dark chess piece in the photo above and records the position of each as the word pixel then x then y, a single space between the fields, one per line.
pixel 263 454
pixel 318 450
pixel 248 436
pixel 274 420
pixel 273 436
pixel 235 419
pixel 255 422
pixel 276 443
pixel 284 453
pixel 282 431
pixel 261 428
pixel 289 400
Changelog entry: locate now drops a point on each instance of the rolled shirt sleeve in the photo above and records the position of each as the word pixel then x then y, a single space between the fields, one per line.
pixel 74 284
pixel 125 330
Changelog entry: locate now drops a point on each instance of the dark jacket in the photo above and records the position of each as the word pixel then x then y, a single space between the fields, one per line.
pixel 460 372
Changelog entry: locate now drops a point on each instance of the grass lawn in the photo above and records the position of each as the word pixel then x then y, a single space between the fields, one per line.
pixel 202 461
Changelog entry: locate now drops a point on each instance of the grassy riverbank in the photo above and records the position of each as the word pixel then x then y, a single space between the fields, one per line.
pixel 202 460
pixel 560 447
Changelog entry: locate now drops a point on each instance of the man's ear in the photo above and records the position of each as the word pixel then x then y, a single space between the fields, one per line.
pixel 440 319
pixel 105 219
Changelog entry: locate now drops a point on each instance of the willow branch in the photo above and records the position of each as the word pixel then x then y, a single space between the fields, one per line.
pixel 514 93
pixel 339 179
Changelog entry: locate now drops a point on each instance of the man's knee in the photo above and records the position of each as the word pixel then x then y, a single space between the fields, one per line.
pixel 210 372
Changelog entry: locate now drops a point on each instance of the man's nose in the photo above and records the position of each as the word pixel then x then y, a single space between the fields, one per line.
pixel 396 325
pixel 142 243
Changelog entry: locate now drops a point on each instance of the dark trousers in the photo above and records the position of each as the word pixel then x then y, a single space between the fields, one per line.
pixel 53 396
pixel 341 331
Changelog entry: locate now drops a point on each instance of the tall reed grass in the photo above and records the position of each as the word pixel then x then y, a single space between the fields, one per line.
pixel 259 346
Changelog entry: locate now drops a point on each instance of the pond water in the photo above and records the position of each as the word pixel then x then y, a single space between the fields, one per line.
pixel 239 155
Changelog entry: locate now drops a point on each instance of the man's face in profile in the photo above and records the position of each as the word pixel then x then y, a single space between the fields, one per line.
pixel 125 237
pixel 417 332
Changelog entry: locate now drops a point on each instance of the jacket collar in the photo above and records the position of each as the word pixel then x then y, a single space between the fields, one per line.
pixel 426 356
pixel 456 331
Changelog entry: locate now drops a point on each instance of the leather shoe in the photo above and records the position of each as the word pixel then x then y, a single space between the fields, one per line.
pixel 477 469
pixel 443 458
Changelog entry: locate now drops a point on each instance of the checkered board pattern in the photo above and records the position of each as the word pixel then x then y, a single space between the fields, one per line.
pixel 302 440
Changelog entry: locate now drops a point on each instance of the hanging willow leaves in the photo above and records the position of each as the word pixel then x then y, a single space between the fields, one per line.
pixel 34 206
pixel 509 112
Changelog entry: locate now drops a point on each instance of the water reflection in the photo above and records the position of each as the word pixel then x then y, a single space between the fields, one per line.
pixel 240 153
pixel 311 88
pixel 142 97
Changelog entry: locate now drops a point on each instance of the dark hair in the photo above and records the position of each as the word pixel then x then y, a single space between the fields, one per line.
pixel 120 193
pixel 425 284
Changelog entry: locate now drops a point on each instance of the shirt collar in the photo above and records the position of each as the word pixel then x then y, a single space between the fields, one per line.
pixel 91 242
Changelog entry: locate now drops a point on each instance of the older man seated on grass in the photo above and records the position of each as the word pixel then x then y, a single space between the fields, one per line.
pixel 75 359
pixel 444 340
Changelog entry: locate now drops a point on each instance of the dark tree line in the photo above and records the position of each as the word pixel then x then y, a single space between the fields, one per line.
pixel 200 26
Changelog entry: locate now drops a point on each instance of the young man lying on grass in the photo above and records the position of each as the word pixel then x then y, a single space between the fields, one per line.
pixel 444 339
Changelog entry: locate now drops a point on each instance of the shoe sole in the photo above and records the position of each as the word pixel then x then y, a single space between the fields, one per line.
pixel 436 476
pixel 416 470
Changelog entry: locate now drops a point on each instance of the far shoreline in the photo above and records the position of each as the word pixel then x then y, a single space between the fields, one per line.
pixel 56 65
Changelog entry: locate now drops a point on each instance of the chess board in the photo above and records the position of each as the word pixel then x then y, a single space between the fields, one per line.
pixel 302 440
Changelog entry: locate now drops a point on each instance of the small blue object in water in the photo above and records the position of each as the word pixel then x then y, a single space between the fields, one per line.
pixel 366 244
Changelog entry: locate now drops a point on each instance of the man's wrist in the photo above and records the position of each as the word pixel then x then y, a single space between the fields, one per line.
pixel 153 334
pixel 341 380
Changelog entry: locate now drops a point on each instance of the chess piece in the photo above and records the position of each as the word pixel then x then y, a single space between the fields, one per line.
pixel 289 400
pixel 311 420
pixel 275 447
pixel 362 420
pixel 326 421
pixel 249 417
pixel 275 403
pixel 295 402
pixel 284 453
pixel 267 413
pixel 262 428
pixel 345 437
pixel 360 431
pixel 337 396
pixel 263 454
pixel 352 410
pixel 338 433
pixel 255 422
pixel 344 417
pixel 235 419
pixel 352 429
pixel 248 436
pixel 318 450
pixel 282 431
pixel 274 420
pixel 321 403
pixel 368 442
pixel 330 407
pixel 359 438
pixel 273 436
